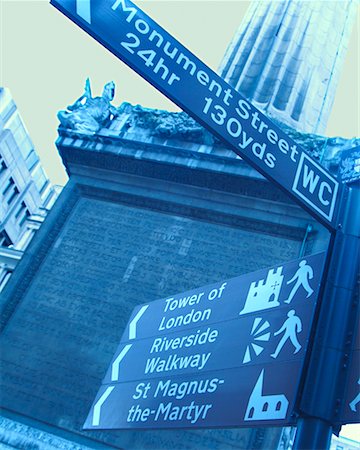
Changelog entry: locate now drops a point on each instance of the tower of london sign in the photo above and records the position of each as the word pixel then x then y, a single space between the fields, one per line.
pixel 225 355
pixel 147 48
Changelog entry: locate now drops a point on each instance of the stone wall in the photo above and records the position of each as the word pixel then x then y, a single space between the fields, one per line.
pixel 123 232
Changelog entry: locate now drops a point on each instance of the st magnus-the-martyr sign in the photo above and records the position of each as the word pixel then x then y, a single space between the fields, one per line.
pixel 224 355
pixel 152 52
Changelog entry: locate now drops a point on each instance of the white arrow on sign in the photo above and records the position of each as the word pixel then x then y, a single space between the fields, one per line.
pixel 83 9
pixel 132 326
pixel 116 363
pixel 98 405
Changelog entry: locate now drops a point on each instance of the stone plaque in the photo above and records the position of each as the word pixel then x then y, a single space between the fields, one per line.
pixel 106 259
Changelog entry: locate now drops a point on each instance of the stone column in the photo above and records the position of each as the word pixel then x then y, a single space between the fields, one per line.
pixel 287 57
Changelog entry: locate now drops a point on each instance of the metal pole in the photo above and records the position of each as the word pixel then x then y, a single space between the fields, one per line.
pixel 313 434
pixel 326 375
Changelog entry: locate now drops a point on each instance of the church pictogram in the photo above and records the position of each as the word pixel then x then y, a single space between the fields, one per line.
pixel 265 407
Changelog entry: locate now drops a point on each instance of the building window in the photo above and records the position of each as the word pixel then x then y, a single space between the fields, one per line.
pixel 5 241
pixel 40 179
pixel 20 210
pixel 8 111
pixel 14 193
pixel 21 136
pixel 10 183
pixel 31 160
pixel 10 191
pixel 22 214
pixel 4 278
pixel 44 186
pixel 3 165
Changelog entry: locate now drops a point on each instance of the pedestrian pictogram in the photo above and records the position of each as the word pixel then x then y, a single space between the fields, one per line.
pixel 302 277
pixel 290 328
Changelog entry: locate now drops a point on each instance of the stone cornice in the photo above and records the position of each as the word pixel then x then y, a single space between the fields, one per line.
pixel 163 129
pixel 175 164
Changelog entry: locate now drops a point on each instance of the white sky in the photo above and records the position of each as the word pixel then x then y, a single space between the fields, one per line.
pixel 45 59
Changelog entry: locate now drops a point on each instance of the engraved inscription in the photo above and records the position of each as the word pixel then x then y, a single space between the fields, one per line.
pixel 108 258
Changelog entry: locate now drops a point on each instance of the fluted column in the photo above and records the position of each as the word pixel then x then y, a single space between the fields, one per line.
pixel 287 57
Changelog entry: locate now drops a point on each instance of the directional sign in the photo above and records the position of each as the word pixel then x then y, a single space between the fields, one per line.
pixel 147 48
pixel 261 398
pixel 247 340
pixel 253 293
pixel 236 346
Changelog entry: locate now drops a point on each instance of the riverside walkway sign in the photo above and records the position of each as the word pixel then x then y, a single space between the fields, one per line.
pixel 147 48
pixel 228 354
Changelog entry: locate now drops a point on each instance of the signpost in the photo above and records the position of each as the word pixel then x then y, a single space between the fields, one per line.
pixel 227 354
pixel 137 40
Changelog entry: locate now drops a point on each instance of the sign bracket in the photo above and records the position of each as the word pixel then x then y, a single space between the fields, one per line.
pixel 328 369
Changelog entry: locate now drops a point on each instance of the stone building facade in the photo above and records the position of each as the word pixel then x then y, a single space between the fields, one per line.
pixel 25 190
pixel 154 206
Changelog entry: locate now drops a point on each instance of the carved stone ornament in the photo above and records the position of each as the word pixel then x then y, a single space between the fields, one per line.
pixel 165 124
pixel 178 125
pixel 349 167
pixel 88 114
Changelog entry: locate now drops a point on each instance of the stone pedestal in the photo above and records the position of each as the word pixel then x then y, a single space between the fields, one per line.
pixel 140 219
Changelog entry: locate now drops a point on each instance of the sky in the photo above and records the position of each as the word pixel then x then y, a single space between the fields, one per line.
pixel 45 59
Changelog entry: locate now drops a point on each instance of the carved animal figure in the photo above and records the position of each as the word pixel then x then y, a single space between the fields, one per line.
pixel 88 114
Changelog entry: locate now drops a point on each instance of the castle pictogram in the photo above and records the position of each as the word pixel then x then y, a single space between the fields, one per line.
pixel 264 295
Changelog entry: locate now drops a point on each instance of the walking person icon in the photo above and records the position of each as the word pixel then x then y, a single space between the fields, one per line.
pixel 302 277
pixel 290 327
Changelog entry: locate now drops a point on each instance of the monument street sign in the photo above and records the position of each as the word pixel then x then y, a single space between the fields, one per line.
pixel 228 354
pixel 142 44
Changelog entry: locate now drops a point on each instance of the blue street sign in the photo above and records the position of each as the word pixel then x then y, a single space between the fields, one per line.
pixel 227 342
pixel 147 48
pixel 257 292
pixel 250 339
pixel 248 396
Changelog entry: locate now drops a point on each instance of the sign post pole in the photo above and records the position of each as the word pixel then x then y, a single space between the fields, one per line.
pixel 331 352
pixel 313 433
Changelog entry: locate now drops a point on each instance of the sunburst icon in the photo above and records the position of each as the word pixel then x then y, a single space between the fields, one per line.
pixel 259 333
